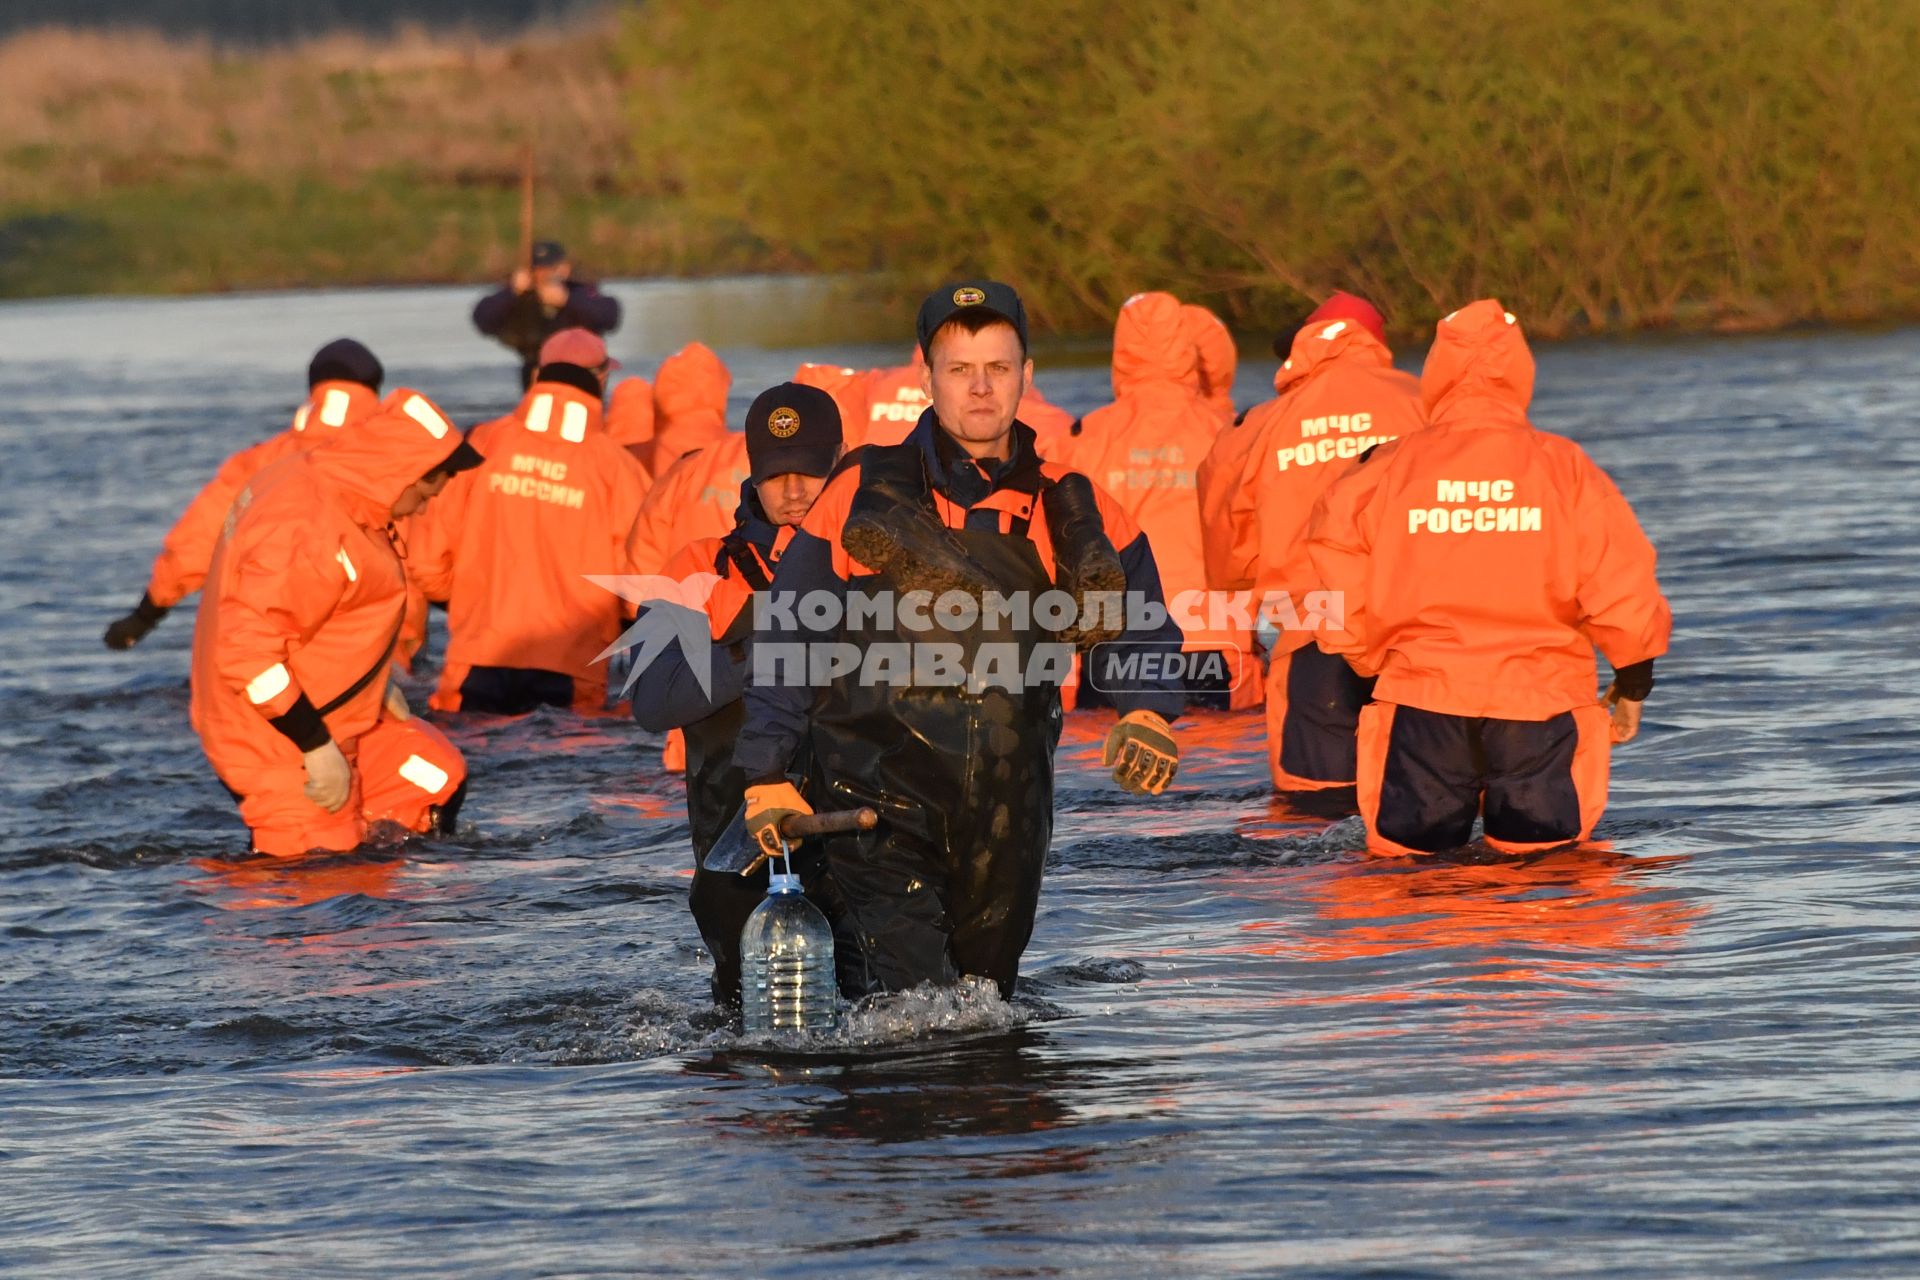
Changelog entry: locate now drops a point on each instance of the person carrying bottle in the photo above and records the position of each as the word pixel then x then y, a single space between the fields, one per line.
pixel 793 440
pixel 946 721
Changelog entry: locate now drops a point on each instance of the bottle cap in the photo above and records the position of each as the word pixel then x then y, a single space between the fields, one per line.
pixel 783 882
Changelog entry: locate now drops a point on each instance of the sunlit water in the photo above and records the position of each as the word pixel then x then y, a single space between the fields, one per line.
pixel 1241 1048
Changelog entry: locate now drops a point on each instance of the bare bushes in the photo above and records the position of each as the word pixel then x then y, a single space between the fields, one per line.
pixel 1600 164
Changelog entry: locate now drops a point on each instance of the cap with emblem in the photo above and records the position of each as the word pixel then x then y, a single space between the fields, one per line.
pixel 549 253
pixel 792 429
pixel 970 295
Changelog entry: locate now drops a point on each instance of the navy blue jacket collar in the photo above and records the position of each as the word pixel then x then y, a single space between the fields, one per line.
pixel 959 478
pixel 750 520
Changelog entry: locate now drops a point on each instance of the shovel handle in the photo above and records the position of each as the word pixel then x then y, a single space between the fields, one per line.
pixel 803 826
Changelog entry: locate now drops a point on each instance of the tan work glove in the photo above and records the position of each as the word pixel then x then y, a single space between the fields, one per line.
pixel 329 776
pixel 768 805
pixel 1142 753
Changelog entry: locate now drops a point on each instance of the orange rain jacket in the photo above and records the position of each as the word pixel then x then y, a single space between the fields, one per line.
pixel 1051 424
pixel 848 387
pixel 1483 560
pixel 629 419
pixel 305 598
pixel 895 401
pixel 689 405
pixel 1143 448
pixel 512 539
pixel 1337 395
pixel 695 498
pixel 187 549
pixel 1219 357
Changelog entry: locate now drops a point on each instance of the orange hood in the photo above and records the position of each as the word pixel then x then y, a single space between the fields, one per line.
pixel 1213 343
pixel 1323 343
pixel 1479 368
pixel 1151 344
pixel 848 387
pixel 373 460
pixel 630 412
pixel 829 378
pixel 689 402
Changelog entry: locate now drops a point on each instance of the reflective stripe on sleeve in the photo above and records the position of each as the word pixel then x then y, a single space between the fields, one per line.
pixel 424 774
pixel 269 684
pixel 345 563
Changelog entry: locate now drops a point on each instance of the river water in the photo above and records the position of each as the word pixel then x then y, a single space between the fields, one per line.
pixel 1241 1047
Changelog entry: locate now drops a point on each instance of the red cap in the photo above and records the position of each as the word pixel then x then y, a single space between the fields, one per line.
pixel 1345 306
pixel 577 346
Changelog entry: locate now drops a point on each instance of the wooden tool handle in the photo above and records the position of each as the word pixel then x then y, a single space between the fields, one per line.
pixel 803 826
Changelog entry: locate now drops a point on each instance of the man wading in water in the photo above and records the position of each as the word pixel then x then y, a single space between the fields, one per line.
pixel 793 440
pixel 932 708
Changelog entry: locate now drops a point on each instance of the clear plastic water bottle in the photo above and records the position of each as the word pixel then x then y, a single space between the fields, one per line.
pixel 786 962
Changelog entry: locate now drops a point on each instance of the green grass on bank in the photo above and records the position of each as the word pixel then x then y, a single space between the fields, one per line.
pixel 239 233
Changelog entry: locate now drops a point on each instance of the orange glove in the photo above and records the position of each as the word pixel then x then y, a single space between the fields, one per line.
pixel 768 805
pixel 1142 753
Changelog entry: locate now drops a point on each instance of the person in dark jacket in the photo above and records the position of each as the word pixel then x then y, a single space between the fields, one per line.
pixel 538 303
pixel 929 693
pixel 794 438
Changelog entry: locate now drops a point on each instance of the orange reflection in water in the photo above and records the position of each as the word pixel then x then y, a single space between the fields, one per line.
pixel 265 884
pixel 1486 964
pixel 349 955
pixel 642 804
pixel 1587 900
pixel 1583 902
pixel 1562 920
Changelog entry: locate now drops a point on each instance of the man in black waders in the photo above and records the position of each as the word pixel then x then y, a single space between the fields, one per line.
pixel 909 658
pixel 793 441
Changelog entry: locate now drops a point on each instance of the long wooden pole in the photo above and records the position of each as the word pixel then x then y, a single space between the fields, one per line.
pixel 526 209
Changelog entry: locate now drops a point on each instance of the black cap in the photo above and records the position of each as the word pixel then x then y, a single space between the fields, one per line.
pixel 344 360
pixel 792 428
pixel 949 300
pixel 463 458
pixel 549 253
